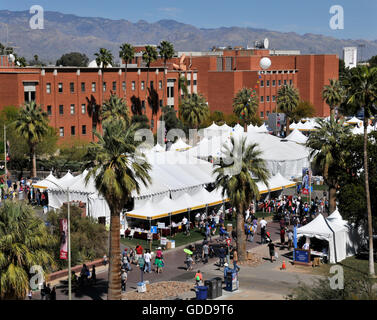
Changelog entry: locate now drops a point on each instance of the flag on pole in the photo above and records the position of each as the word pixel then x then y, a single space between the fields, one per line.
pixel 63 237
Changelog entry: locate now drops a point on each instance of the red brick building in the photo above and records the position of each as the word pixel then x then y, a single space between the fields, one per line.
pixel 63 92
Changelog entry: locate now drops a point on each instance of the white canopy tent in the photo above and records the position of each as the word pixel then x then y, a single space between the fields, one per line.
pixel 179 145
pixel 297 136
pixel 356 121
pixel 341 238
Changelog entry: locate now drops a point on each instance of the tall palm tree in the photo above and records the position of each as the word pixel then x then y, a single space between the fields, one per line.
pixel 182 85
pixel 32 124
pixel 237 176
pixel 127 53
pixel 245 105
pixel 287 100
pixel 118 170
pixel 327 148
pixel 149 55
pixel 104 58
pixel 361 94
pixel 194 110
pixel 333 94
pixel 24 242
pixel 115 108
pixel 166 51
pixel 94 111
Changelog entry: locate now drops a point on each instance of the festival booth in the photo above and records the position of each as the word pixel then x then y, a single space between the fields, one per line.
pixel 341 238
pixel 297 136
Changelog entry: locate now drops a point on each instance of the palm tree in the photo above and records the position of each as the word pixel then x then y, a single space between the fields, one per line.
pixel 118 170
pixel 245 105
pixel 166 50
pixel 194 110
pixel 333 95
pixel 237 176
pixel 182 85
pixel 149 55
pixel 104 58
pixel 32 124
pixel 127 53
pixel 287 100
pixel 24 242
pixel 94 111
pixel 115 108
pixel 327 148
pixel 361 94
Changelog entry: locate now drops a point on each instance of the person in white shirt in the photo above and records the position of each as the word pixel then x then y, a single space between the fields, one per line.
pixel 147 259
pixel 263 225
pixel 306 246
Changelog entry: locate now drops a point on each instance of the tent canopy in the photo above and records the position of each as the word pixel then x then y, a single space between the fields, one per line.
pixel 297 136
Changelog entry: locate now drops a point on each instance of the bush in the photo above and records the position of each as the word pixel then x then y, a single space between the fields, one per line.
pixel 89 239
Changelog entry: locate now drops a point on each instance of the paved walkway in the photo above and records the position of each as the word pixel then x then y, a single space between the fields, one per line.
pixel 254 280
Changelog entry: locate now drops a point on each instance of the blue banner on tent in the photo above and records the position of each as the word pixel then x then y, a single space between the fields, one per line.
pixel 302 255
pixel 154 229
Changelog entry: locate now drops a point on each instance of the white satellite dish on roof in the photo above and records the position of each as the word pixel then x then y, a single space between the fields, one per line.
pixel 266 43
pixel 265 63
pixel 12 57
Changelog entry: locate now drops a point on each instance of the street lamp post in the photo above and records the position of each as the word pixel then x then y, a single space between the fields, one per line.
pixel 69 239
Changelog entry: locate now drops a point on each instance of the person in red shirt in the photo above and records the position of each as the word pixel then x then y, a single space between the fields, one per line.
pixel 139 252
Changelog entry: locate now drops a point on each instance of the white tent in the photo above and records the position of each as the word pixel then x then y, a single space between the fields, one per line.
pixel 179 145
pixel 238 129
pixel 158 148
pixel 355 120
pixel 262 129
pixel 47 182
pixel 212 130
pixel 277 182
pixel 297 136
pixel 334 233
pixel 293 126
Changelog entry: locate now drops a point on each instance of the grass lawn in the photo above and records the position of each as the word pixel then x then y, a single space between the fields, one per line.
pixel 180 238
pixel 352 266
pixel 320 187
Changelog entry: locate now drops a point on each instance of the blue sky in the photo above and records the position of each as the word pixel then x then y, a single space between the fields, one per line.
pixel 301 16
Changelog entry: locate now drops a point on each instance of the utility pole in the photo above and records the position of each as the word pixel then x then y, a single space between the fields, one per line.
pixel 69 249
pixel 5 161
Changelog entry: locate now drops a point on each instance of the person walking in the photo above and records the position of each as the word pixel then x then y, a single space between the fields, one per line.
pixel 30 294
pixel 124 280
pixel 282 236
pixel 148 258
pixel 139 252
pixel 222 254
pixel 205 252
pixel 48 292
pixel 94 276
pixel 189 262
pixel 290 239
pixel 53 293
pixel 263 225
pixel 271 248
pixel 43 291
pixel 198 278
pixel 235 260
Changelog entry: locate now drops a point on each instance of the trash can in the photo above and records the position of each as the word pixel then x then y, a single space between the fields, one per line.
pixel 141 287
pixel 201 293
pixel 212 288
pixel 228 281
pixel 219 286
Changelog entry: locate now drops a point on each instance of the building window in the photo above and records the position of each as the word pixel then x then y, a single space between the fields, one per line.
pixel 83 129
pixel 273 98
pixel 72 109
pixel 279 83
pixel 72 87
pixel 268 83
pixel 290 82
pixel 114 86
pixel 273 83
pixel 83 108
pixel 151 86
pixel 195 82
pixel 124 85
pixel 261 99
pixel 262 83
pixel 285 82
pixel 261 114
pixel 160 84
pixel 49 110
pixel 61 131
pixel 82 86
pixel 133 86
pixel 93 87
pixel 61 109
pixel 48 87
pixel 60 87
pixel 161 103
pixel 142 85
pixel 104 86
pixel 268 98
pixel 73 130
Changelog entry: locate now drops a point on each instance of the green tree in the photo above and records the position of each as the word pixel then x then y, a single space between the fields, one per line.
pixel 237 177
pixel 126 53
pixel 141 120
pixel 303 110
pixel 361 94
pixel 287 100
pixel 166 51
pixel 373 62
pixel 171 119
pixel 104 58
pixel 182 85
pixel 193 110
pixel 24 242
pixel 149 55
pixel 117 171
pixel 245 105
pixel 333 94
pixel 32 125
pixel 327 145
pixel 115 108
pixel 73 59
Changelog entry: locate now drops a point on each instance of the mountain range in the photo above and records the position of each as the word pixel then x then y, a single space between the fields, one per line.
pixel 65 33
